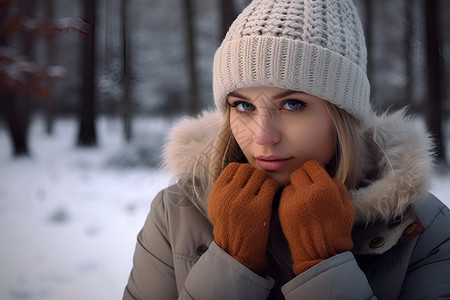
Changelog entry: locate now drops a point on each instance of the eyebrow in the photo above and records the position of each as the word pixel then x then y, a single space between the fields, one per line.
pixel 287 93
pixel 280 95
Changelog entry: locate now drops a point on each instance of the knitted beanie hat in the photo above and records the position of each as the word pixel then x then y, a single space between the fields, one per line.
pixel 313 46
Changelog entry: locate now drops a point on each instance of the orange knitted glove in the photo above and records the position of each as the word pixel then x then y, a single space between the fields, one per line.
pixel 316 216
pixel 240 206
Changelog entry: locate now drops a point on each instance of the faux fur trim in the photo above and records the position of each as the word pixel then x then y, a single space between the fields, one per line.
pixel 191 140
pixel 396 170
pixel 400 155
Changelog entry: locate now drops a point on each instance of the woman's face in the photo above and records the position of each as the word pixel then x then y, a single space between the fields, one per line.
pixel 278 130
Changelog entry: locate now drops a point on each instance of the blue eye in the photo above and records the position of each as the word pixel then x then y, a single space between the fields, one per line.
pixel 242 106
pixel 294 105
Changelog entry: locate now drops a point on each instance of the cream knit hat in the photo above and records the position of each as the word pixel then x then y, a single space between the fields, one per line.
pixel 313 46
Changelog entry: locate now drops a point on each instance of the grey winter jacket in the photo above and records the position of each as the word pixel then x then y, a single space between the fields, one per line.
pixel 401 233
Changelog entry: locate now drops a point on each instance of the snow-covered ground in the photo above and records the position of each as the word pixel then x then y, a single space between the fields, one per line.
pixel 69 216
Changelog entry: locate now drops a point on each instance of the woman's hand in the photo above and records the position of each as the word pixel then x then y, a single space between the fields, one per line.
pixel 240 207
pixel 316 216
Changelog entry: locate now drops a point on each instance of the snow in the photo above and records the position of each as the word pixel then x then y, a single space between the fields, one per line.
pixel 69 216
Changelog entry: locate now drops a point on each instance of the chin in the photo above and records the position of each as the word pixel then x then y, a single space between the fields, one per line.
pixel 281 179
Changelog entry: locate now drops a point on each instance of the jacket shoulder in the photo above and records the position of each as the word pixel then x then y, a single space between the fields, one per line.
pixel 430 209
pixel 177 230
pixel 434 243
pixel 170 198
pixel 176 214
pixel 171 216
pixel 428 273
pixel 153 274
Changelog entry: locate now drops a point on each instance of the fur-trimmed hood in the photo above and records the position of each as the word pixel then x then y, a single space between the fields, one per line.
pixel 397 165
pixel 397 168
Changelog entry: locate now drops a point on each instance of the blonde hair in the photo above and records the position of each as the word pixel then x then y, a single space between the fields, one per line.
pixel 350 146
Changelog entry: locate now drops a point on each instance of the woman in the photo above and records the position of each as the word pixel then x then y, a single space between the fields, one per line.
pixel 294 188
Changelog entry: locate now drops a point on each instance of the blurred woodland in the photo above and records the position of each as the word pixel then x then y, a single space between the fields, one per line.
pixel 129 59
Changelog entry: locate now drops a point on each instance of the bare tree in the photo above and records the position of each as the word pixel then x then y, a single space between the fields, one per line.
pixel 17 131
pixel 194 105
pixel 21 76
pixel 108 56
pixel 408 53
pixel 127 105
pixel 369 11
pixel 16 102
pixel 28 9
pixel 49 105
pixel 434 105
pixel 228 14
pixel 87 133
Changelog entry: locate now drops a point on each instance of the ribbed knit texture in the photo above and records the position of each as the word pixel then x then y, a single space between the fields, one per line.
pixel 315 47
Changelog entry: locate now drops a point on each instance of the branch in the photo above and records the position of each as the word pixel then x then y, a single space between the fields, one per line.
pixel 20 73
pixel 19 23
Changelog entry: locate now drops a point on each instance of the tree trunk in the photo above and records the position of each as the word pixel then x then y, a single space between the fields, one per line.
pixel 7 102
pixel 17 131
pixel 194 105
pixel 368 5
pixel 49 104
pixel 126 77
pixel 108 34
pixel 433 107
pixel 17 105
pixel 228 14
pixel 408 99
pixel 87 133
pixel 28 8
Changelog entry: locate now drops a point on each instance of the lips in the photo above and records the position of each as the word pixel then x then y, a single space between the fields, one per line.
pixel 272 162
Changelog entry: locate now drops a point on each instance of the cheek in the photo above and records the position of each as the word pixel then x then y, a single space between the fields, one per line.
pixel 318 142
pixel 329 145
pixel 241 132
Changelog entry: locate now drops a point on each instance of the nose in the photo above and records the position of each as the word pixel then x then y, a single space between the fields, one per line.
pixel 266 132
